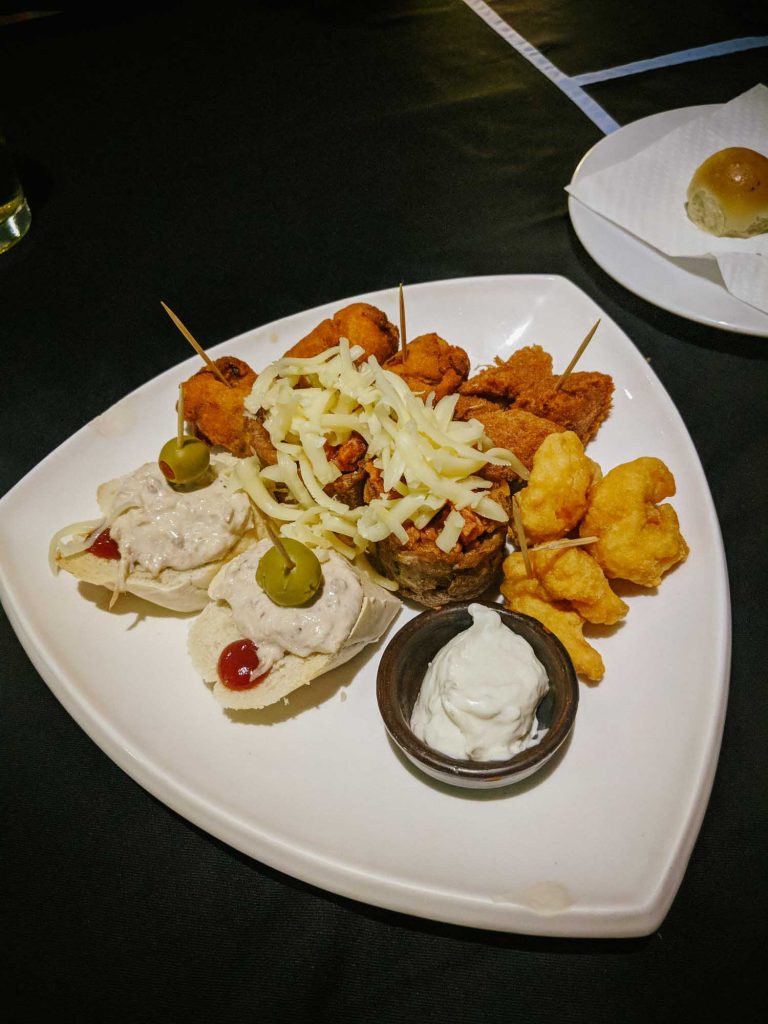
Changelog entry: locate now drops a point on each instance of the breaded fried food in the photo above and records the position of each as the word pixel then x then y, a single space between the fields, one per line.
pixel 557 494
pixel 361 323
pixel 430 363
pixel 572 574
pixel 581 403
pixel 525 594
pixel 638 539
pixel 519 431
pixel 507 379
pixel 214 410
pixel 468 406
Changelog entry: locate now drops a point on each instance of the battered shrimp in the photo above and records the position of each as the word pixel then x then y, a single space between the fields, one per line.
pixel 558 489
pixel 572 574
pixel 525 594
pixel 638 539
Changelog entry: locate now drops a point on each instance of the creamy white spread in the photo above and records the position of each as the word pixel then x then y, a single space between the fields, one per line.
pixel 480 693
pixel 320 626
pixel 165 527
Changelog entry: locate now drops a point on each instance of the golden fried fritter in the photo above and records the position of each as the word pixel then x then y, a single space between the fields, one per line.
pixel 638 539
pixel 557 494
pixel 580 404
pixel 506 380
pixel 430 364
pixel 572 574
pixel 525 594
pixel 361 323
pixel 214 410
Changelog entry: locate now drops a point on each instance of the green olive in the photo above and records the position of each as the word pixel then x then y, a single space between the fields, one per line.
pixel 186 463
pixel 286 585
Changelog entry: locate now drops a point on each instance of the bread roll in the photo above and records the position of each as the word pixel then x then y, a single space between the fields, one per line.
pixel 728 194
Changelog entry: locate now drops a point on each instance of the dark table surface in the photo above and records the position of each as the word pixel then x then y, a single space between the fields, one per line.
pixel 246 163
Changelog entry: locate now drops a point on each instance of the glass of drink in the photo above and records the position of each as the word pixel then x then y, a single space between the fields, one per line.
pixel 15 217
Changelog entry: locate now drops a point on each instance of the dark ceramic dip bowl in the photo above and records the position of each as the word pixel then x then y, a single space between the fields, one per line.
pixel 401 672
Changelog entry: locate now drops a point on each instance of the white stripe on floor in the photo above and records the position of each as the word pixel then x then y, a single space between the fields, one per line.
pixel 572 90
pixel 573 86
pixel 670 59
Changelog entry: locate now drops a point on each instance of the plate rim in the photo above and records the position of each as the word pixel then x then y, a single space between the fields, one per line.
pixel 333 876
pixel 581 215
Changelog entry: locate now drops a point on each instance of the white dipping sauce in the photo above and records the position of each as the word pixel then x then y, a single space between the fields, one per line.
pixel 320 626
pixel 167 527
pixel 480 693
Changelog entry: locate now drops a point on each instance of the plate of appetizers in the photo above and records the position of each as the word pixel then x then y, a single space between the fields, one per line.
pixel 320 467
pixel 691 287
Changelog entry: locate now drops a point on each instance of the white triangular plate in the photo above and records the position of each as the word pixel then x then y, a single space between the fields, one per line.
pixel 595 845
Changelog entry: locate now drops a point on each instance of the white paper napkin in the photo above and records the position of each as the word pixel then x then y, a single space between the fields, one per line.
pixel 646 194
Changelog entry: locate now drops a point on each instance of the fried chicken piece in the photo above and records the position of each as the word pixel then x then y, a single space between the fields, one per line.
pixel 526 595
pixel 572 574
pixel 362 324
pixel 638 539
pixel 580 404
pixel 430 364
pixel 557 494
pixel 214 410
pixel 506 380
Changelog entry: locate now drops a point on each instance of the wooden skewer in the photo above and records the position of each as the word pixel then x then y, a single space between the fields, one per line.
pixel 274 537
pixel 577 357
pixel 180 420
pixel 402 322
pixel 557 545
pixel 521 536
pixel 195 345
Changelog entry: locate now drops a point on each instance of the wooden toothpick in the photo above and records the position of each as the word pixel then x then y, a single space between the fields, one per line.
pixel 521 539
pixel 402 322
pixel 180 419
pixel 195 345
pixel 274 537
pixel 577 356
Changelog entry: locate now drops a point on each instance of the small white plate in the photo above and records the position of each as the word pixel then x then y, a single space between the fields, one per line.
pixel 692 288
pixel 595 845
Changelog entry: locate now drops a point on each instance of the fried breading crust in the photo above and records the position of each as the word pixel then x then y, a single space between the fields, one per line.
pixel 214 410
pixel 430 363
pixel 580 404
pixel 506 380
pixel 361 323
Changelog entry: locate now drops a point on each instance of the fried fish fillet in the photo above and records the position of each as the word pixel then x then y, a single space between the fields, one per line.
pixel 507 379
pixel 580 404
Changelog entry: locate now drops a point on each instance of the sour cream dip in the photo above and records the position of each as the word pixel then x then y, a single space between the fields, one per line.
pixel 480 693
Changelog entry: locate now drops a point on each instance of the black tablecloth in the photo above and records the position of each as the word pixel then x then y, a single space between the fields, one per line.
pixel 245 163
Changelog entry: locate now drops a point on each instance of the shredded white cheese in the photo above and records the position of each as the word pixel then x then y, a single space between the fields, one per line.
pixel 426 458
